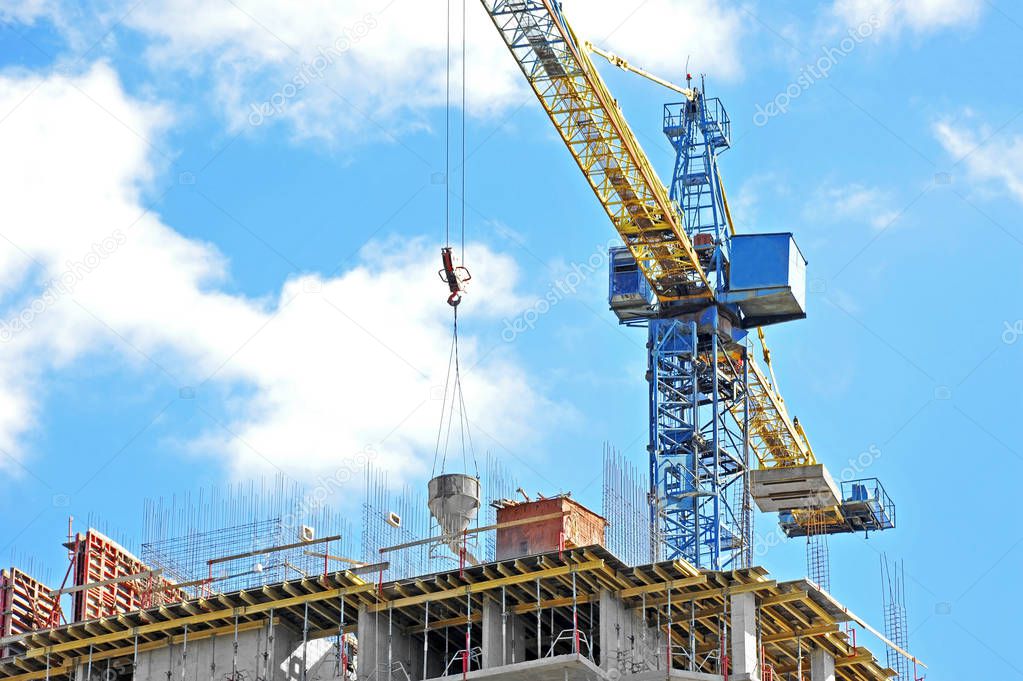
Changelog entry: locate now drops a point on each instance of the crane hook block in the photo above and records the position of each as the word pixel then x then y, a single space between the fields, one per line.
pixel 455 277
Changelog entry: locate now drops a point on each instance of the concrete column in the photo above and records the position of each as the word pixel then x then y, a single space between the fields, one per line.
pixel 626 643
pixel 744 635
pixel 610 630
pixel 383 644
pixel 822 665
pixel 369 644
pixel 504 636
pixel 215 656
pixel 495 651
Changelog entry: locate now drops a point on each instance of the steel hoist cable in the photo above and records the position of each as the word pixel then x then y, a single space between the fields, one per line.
pixel 453 404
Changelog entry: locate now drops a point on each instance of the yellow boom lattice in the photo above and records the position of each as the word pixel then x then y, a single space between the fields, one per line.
pixel 601 142
pixel 587 118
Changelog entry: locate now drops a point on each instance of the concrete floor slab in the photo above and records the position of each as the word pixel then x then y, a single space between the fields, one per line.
pixel 557 668
pixel 679 675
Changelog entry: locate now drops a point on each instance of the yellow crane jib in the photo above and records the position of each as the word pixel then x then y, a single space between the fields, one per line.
pixel 588 120
pixel 621 63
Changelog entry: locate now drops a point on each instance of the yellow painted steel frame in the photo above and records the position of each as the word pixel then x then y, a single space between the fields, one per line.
pixel 775 438
pixel 597 135
pixel 601 142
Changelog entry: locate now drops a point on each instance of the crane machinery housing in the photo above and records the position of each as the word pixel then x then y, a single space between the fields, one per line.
pixel 698 288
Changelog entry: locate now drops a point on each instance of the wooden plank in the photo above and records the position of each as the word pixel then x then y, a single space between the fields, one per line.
pixel 806 632
pixel 863 656
pixel 663 586
pixel 475 530
pixel 778 599
pixel 710 593
pixel 226 613
pixel 488 585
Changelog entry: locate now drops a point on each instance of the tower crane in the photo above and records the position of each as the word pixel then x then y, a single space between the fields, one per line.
pixel 698 288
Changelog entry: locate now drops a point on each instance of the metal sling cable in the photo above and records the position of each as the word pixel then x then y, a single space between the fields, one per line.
pixel 455 276
pixel 447 128
pixel 465 43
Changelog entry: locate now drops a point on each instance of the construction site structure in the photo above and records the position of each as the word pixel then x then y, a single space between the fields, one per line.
pixel 26 605
pixel 572 612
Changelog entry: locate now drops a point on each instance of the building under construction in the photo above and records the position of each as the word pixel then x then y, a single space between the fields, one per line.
pixel 494 583
pixel 554 604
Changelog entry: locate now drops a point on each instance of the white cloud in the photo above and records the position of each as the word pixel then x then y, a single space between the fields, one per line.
pixel 746 204
pixel 854 202
pixel 328 367
pixel 26 11
pixel 987 157
pixel 653 33
pixel 345 71
pixel 916 16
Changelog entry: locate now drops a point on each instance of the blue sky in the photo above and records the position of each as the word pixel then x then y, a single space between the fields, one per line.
pixel 240 204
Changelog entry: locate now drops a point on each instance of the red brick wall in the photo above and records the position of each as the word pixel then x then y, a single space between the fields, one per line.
pixel 580 527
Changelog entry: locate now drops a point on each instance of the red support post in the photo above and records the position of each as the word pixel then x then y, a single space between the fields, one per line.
pixel 575 629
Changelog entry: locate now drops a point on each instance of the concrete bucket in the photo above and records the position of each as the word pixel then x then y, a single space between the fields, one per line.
pixel 454 501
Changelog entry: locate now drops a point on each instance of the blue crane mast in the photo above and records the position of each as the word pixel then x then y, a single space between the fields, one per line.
pixel 699 455
pixel 697 288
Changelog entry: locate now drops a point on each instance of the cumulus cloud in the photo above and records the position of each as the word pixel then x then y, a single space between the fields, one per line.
pixel 327 367
pixel 915 16
pixel 365 69
pixel 987 157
